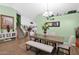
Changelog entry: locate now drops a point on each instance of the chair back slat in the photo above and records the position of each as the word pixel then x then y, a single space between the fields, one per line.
pixel 72 37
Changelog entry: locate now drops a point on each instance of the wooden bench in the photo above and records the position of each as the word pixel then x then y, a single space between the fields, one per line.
pixel 40 46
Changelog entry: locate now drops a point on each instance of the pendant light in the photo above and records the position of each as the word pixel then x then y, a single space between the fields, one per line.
pixel 47 13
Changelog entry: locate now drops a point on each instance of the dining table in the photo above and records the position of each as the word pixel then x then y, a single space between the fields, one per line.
pixel 49 38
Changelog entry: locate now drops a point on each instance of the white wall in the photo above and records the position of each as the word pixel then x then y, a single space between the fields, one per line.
pixel 26 21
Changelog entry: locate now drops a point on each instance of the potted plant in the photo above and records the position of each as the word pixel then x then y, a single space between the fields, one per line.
pixel 72 11
pixel 45 27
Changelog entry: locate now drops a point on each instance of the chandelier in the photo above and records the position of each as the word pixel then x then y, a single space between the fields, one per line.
pixel 47 13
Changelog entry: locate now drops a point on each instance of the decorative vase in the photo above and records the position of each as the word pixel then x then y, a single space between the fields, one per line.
pixel 45 33
pixel 8 28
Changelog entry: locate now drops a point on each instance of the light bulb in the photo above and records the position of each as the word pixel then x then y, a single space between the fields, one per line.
pixel 47 14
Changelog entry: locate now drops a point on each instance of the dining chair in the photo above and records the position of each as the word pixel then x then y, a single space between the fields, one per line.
pixel 66 47
pixel 51 34
pixel 32 33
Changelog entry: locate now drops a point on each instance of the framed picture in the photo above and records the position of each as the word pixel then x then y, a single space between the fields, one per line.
pixel 54 24
pixel 7 21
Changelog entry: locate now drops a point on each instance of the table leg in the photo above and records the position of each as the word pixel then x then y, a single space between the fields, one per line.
pixel 40 40
pixel 54 44
pixel 57 50
pixel 26 48
pixel 55 47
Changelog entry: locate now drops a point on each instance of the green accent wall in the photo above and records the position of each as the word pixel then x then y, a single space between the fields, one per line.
pixel 18 20
pixel 68 23
pixel 4 10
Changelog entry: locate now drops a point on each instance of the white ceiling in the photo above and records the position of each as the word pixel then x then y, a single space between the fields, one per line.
pixel 31 10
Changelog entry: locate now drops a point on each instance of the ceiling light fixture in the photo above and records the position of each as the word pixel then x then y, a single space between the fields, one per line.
pixel 47 13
